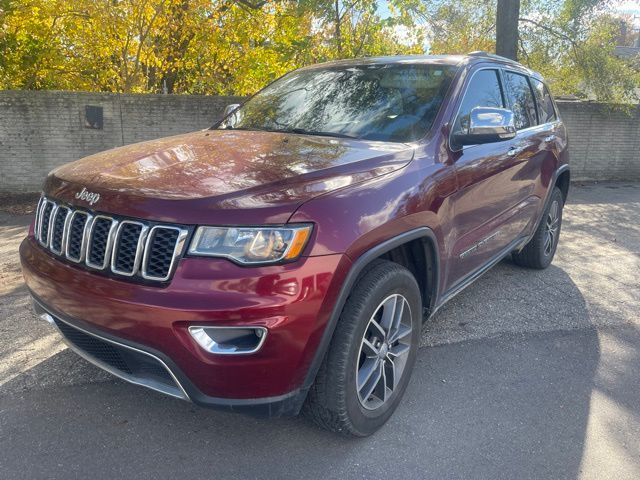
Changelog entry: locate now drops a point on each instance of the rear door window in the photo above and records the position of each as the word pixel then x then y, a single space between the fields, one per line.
pixel 520 98
pixel 546 112
pixel 483 91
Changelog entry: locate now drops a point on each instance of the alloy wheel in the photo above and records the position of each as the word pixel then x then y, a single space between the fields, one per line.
pixel 383 352
pixel 551 227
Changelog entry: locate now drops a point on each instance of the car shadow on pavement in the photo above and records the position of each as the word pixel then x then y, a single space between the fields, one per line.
pixel 511 406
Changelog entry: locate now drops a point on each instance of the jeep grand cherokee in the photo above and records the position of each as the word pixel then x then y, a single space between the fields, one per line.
pixel 285 259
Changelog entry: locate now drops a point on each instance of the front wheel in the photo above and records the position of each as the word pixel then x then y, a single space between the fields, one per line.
pixel 371 355
pixel 539 252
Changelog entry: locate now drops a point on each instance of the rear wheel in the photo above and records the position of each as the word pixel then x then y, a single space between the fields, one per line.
pixel 371 355
pixel 540 250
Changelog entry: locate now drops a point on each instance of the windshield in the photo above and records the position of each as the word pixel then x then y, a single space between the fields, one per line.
pixel 392 102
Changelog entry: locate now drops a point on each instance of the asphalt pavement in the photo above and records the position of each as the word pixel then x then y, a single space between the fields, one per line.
pixel 526 374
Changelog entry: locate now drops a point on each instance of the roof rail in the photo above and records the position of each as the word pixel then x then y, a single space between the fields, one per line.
pixel 481 53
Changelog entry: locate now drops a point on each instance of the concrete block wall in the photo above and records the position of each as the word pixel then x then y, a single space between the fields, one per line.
pixel 604 142
pixel 40 130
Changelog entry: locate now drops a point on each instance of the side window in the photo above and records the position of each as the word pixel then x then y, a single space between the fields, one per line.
pixel 521 100
pixel 543 99
pixel 482 91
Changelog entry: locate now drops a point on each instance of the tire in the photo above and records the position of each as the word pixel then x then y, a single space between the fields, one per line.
pixel 336 401
pixel 539 252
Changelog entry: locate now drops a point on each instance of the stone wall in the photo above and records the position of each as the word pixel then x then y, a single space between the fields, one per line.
pixel 604 142
pixel 40 130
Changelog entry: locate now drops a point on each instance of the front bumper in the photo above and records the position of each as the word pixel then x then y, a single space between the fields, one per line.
pixel 130 363
pixel 294 303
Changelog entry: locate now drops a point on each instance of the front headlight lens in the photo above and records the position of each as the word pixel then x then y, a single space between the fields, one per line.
pixel 245 245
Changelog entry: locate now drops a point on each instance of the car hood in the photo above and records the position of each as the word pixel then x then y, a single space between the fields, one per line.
pixel 207 176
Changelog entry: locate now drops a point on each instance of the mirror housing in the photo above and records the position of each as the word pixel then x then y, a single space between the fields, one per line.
pixel 486 125
pixel 229 108
pixel 228 116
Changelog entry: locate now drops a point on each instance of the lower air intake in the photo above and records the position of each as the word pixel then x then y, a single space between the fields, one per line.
pixel 130 364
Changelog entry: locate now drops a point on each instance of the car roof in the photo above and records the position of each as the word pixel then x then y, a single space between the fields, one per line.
pixel 453 60
pixel 395 59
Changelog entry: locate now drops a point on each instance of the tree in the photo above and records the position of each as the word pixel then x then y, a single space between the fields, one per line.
pixel 183 46
pixel 573 46
pixel 507 15
pixel 237 46
pixel 459 27
pixel 570 42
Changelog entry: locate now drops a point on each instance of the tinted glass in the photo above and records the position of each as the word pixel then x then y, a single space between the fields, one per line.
pixel 521 100
pixel 375 102
pixel 543 99
pixel 482 91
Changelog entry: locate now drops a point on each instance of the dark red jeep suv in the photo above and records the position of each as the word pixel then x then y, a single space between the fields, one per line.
pixel 286 258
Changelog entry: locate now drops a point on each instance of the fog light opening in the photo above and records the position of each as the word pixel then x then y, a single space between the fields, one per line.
pixel 229 340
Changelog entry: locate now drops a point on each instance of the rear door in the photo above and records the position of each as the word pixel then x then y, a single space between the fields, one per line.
pixel 551 133
pixel 533 144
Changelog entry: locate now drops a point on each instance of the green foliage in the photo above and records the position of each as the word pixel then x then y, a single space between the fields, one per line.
pixel 570 42
pixel 463 26
pixel 236 47
pixel 181 46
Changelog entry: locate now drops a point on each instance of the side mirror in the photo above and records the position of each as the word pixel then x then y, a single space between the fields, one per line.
pixel 229 108
pixel 228 116
pixel 486 125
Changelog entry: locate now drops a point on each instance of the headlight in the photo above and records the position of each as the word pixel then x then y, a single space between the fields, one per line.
pixel 251 245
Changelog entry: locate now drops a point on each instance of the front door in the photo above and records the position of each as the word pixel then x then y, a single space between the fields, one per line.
pixel 495 200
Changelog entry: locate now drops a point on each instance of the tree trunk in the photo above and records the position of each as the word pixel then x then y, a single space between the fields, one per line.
pixel 507 16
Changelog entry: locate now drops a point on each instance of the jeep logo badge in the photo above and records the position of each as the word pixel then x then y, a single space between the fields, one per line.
pixel 88 196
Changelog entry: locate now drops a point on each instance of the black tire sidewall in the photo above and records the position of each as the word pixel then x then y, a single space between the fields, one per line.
pixel 544 259
pixel 401 281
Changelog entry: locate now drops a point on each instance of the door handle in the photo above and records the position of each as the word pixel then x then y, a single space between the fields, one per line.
pixel 550 138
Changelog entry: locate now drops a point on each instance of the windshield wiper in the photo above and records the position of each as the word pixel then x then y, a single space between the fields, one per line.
pixel 302 131
pixel 233 128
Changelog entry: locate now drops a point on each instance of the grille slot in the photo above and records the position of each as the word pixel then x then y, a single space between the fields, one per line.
pixel 128 247
pixel 36 228
pixel 100 240
pixel 124 247
pixel 160 252
pixel 75 235
pixel 58 230
pixel 45 220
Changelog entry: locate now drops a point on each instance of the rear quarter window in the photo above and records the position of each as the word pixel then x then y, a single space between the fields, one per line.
pixel 546 112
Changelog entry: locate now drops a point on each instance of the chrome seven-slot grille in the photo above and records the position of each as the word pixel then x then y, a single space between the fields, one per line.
pixel 109 244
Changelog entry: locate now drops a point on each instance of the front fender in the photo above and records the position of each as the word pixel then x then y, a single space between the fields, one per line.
pixel 356 219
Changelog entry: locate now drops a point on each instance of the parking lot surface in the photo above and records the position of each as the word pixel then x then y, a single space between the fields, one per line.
pixel 526 374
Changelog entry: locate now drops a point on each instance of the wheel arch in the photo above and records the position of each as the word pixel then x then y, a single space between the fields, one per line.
pixel 420 258
pixel 562 181
pixel 419 244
